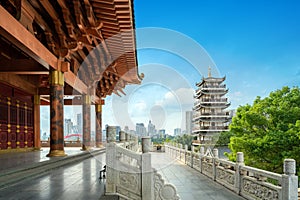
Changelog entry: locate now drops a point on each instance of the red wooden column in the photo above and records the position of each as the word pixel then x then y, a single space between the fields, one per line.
pixel 86 122
pixel 36 124
pixel 56 114
pixel 98 108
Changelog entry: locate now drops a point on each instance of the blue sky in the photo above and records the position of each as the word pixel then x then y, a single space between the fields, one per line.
pixel 254 43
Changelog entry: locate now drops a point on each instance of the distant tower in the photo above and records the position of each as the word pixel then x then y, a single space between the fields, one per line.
pixel 188 122
pixel 79 123
pixel 140 129
pixel 151 129
pixel 126 129
pixel 177 132
pixel 210 117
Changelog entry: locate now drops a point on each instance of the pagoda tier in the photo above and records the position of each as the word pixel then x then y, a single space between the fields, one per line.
pixel 210 117
pixel 210 79
pixel 211 105
pixel 216 119
pixel 206 92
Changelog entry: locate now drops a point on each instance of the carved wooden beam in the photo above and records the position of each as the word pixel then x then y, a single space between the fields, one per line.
pixel 62 51
pixel 18 82
pixel 11 29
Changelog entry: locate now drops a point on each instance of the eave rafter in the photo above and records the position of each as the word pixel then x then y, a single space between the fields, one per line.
pixel 95 36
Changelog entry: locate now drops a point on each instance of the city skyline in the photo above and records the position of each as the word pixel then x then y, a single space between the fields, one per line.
pixel 254 44
pixel 256 48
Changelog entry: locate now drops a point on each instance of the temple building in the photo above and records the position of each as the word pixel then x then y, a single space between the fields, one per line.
pixel 61 53
pixel 210 117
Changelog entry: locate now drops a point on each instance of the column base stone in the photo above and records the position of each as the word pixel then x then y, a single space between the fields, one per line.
pixel 56 153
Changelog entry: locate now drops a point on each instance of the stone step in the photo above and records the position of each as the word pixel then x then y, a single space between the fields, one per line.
pixel 13 176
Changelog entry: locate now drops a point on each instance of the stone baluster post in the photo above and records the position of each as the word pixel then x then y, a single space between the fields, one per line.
pixel 147 174
pixel 186 154
pixel 201 157
pixel 215 163
pixel 111 134
pixel 152 146
pixel 127 137
pixel 122 138
pixel 238 165
pixel 111 174
pixel 136 143
pixel 289 180
pixel 192 156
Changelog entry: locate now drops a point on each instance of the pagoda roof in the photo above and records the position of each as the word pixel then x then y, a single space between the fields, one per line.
pixel 214 105
pixel 211 80
pixel 220 91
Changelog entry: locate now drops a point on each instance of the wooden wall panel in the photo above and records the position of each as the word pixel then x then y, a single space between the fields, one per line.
pixel 16 118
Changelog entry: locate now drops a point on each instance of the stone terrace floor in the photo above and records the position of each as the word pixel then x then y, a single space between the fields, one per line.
pixel 80 181
pixel 190 184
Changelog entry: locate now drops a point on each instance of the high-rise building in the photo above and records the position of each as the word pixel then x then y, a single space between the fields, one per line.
pixel 177 131
pixel 162 133
pixel 210 116
pixel 68 127
pixel 188 122
pixel 126 129
pixel 151 129
pixel 140 129
pixel 79 123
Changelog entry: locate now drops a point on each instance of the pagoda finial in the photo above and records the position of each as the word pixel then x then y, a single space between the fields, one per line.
pixel 209 71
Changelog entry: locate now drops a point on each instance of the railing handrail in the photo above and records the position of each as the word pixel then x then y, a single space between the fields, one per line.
pixel 243 179
pixel 262 172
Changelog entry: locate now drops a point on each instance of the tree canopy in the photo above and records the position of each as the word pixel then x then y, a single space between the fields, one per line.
pixel 268 131
pixel 185 139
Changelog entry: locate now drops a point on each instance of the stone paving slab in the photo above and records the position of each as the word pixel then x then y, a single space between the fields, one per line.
pixel 77 182
pixel 190 184
pixel 19 159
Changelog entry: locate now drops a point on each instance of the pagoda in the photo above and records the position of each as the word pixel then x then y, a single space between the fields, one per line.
pixel 209 115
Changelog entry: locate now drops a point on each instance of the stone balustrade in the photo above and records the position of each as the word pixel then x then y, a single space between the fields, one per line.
pixel 129 173
pixel 249 182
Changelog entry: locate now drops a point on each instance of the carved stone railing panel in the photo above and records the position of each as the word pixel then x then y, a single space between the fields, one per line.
pixel 196 163
pixel 129 184
pixel 225 173
pixel 162 190
pixel 225 177
pixel 188 159
pixel 182 155
pixel 249 182
pixel 261 175
pixel 128 157
pixel 130 175
pixel 207 169
pixel 252 189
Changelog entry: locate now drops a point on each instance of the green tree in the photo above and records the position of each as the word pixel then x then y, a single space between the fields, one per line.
pixel 268 131
pixel 223 139
pixel 185 139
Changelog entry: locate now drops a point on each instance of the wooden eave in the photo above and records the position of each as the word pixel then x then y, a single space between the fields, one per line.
pixel 50 32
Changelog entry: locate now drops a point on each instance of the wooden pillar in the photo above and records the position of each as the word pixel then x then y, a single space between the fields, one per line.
pixel 86 122
pixel 36 124
pixel 56 114
pixel 98 108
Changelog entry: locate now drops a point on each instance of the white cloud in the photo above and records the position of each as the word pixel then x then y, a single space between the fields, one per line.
pixel 140 106
pixel 181 98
